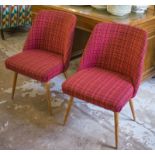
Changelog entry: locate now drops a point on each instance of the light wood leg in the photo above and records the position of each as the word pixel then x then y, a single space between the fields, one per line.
pixel 132 109
pixel 116 121
pixel 70 103
pixel 14 84
pixel 47 87
pixel 65 75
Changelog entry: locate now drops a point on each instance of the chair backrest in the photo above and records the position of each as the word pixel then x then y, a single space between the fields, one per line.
pixel 52 31
pixel 116 47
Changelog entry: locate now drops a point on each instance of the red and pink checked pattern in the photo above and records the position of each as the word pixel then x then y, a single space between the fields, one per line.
pixel 101 87
pixel 111 66
pixel 117 47
pixel 37 64
pixel 53 31
pixel 47 50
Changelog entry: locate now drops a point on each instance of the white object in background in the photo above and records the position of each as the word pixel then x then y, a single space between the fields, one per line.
pixel 119 10
pixel 100 7
pixel 139 8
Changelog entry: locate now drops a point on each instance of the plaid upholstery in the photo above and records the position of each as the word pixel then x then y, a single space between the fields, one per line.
pixel 117 47
pixel 56 30
pixel 37 64
pixel 47 50
pixel 111 66
pixel 102 87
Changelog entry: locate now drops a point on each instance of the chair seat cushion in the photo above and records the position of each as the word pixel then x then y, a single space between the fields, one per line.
pixel 101 87
pixel 37 64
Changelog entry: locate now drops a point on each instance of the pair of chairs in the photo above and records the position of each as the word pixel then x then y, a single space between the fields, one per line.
pixel 110 69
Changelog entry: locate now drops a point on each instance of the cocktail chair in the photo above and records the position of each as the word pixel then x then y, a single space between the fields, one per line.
pixel 110 69
pixel 47 50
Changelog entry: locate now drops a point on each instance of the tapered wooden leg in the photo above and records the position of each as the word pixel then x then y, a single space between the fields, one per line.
pixel 47 87
pixel 132 109
pixel 65 75
pixel 14 84
pixel 70 103
pixel 116 121
pixel 2 35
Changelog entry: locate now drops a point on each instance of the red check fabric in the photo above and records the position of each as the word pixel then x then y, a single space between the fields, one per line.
pixel 111 66
pixel 117 47
pixel 37 64
pixel 47 49
pixel 104 88
pixel 52 31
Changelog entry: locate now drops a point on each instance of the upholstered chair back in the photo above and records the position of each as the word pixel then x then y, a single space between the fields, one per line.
pixel 117 47
pixel 52 31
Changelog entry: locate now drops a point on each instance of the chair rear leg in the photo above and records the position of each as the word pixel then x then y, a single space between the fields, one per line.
pixel 70 103
pixel 132 109
pixel 116 122
pixel 2 35
pixel 14 84
pixel 47 87
pixel 65 75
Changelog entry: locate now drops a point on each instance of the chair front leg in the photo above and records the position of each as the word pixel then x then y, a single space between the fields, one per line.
pixel 47 87
pixel 116 122
pixel 14 84
pixel 2 35
pixel 70 103
pixel 132 109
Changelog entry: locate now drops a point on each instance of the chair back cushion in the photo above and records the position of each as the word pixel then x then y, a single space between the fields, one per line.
pixel 52 31
pixel 116 47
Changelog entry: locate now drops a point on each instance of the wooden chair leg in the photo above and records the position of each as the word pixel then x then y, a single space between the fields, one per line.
pixel 132 109
pixel 116 122
pixel 14 84
pixel 70 103
pixel 65 75
pixel 47 87
pixel 2 35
